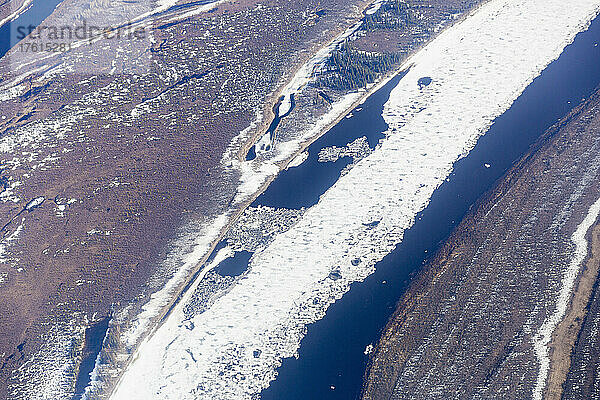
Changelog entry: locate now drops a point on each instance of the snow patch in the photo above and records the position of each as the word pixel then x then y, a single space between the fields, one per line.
pixel 298 160
pixel 16 13
pixel 544 334
pixel 162 297
pixel 481 66
pixel 35 203
pixel 5 256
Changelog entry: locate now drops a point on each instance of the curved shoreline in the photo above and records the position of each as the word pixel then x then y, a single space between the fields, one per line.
pixel 566 296
pixel 450 252
pixel 391 145
pixel 259 129
pixel 565 335
pixel 232 215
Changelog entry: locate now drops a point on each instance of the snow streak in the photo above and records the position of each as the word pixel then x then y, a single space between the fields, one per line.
pixel 478 68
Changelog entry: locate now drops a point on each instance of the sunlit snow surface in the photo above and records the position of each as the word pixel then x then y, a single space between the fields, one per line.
pixel 545 332
pixel 478 69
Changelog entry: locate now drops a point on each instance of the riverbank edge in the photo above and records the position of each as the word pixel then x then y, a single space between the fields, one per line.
pixel 264 120
pixel 439 263
pixel 565 336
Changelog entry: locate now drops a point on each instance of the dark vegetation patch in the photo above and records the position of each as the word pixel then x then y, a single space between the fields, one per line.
pixel 349 68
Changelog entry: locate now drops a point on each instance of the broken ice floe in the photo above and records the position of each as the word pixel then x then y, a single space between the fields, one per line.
pixel 289 283
pixel 257 226
pixel 356 150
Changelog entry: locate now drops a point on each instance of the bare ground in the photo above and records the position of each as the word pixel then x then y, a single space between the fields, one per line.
pixel 465 327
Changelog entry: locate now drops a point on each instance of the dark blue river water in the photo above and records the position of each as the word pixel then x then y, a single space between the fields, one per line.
pixel 331 354
pixel 11 33
pixel 39 11
pixel 302 186
pixel 94 336
pixel 235 265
